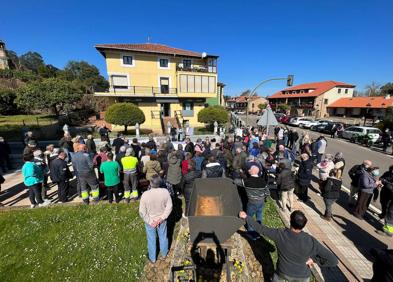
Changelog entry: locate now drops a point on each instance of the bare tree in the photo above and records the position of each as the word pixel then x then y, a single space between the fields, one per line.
pixel 373 89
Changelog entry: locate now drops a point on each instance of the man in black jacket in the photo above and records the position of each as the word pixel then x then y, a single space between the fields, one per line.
pixel 355 173
pixel 213 169
pixel 60 174
pixel 118 142
pixel 189 146
pixel 297 250
pixel 286 185
pixel 304 177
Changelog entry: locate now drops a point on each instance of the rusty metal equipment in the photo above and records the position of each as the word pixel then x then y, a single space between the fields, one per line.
pixel 214 208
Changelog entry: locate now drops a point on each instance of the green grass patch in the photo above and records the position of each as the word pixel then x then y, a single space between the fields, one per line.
pixel 271 218
pixel 75 243
pixel 28 119
pixel 202 130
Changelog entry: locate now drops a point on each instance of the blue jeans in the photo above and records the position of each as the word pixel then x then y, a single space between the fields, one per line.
pixel 255 208
pixel 151 234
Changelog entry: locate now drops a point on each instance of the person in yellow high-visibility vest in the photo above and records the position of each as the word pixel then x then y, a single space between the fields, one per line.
pixel 129 164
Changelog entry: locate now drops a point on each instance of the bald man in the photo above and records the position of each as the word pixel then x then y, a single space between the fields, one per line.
pixel 257 191
pixel 84 169
pixel 355 173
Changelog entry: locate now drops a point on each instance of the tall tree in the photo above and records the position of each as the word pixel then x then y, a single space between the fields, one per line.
pixel 47 71
pixel 387 89
pixel 51 93
pixel 373 89
pixel 87 75
pixel 31 61
pixel 13 60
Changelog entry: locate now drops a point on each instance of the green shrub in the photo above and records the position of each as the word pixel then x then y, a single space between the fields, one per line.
pixel 7 102
pixel 125 114
pixel 211 114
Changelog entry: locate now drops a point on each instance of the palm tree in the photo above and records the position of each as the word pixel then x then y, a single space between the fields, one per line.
pixel 373 89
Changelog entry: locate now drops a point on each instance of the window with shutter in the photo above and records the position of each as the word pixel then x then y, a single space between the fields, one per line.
pixel 205 84
pixel 183 83
pixel 190 84
pixel 212 84
pixel 120 81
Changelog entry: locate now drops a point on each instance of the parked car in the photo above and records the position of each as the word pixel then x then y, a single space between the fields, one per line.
pixel 286 119
pixel 362 134
pixel 279 116
pixel 300 121
pixel 328 128
pixel 313 125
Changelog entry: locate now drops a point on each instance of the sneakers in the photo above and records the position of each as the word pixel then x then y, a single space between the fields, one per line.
pixel 44 204
pixel 32 206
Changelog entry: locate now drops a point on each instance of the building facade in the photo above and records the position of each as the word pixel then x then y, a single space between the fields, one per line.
pixel 312 99
pixel 239 104
pixel 361 107
pixel 3 56
pixel 166 83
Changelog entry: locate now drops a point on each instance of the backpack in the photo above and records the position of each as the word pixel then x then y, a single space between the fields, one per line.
pixel 354 172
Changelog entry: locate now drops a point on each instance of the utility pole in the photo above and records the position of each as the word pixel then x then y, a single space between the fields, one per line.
pixel 289 80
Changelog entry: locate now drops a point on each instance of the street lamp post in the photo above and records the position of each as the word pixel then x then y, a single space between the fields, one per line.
pixel 289 80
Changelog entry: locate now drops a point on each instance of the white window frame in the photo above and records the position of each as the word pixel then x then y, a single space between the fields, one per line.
pixel 129 55
pixel 163 68
pixel 122 74
pixel 170 82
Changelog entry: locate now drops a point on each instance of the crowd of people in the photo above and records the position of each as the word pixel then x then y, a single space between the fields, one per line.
pixel 156 173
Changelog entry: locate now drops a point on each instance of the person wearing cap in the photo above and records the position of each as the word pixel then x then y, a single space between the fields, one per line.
pixel 60 174
pixel 151 144
pixel 33 177
pixel 129 164
pixel 154 208
pixel 84 167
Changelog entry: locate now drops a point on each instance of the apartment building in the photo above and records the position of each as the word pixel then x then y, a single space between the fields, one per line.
pixel 167 83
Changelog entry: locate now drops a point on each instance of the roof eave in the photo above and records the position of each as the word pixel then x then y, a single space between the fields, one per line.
pixel 103 48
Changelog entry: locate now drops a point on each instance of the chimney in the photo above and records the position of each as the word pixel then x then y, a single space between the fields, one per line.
pixel 387 97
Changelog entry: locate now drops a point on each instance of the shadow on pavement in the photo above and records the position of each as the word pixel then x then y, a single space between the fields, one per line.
pixel 362 240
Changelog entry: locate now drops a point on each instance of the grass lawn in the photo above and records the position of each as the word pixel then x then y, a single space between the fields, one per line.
pixel 75 243
pixel 11 126
pixel 28 119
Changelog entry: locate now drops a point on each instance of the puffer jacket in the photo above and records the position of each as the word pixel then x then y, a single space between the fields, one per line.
pixel 305 172
pixel 367 183
pixel 331 189
pixel 151 168
pixel 213 170
pixel 174 170
pixel 285 180
pixel 188 179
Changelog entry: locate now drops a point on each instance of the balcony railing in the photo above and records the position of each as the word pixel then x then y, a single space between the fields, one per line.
pixel 198 68
pixel 143 90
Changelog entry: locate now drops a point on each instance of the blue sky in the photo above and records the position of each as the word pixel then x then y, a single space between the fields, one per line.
pixel 344 40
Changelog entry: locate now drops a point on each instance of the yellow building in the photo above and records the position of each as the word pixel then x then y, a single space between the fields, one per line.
pixel 168 84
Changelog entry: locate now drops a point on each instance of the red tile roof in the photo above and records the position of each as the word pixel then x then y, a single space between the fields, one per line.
pixel 363 102
pixel 318 89
pixel 151 48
